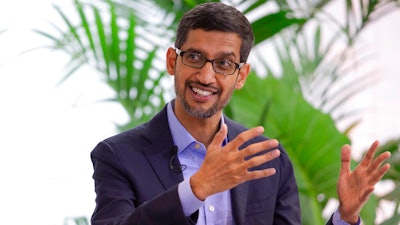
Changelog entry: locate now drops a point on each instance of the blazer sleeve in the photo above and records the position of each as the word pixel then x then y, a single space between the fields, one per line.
pixel 117 201
pixel 287 203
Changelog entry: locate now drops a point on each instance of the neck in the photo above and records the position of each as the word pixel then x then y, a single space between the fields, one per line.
pixel 203 130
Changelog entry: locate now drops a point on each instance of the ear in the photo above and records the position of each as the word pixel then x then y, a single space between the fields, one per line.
pixel 171 61
pixel 242 76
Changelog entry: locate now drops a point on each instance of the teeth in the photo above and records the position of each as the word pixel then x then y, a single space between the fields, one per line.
pixel 201 92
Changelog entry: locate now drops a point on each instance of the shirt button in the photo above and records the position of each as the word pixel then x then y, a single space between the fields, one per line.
pixel 197 146
pixel 211 208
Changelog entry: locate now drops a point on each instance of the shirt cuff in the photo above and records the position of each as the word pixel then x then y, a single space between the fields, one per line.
pixel 337 221
pixel 190 203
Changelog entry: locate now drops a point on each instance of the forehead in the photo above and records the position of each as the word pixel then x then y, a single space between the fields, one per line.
pixel 213 43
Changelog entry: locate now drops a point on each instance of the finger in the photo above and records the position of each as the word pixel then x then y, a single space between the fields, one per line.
pixel 379 174
pixel 367 159
pixel 379 160
pixel 245 136
pixel 252 175
pixel 345 158
pixel 218 138
pixel 258 147
pixel 366 193
pixel 260 159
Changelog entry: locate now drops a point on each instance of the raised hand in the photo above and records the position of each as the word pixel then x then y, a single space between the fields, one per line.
pixel 226 167
pixel 355 187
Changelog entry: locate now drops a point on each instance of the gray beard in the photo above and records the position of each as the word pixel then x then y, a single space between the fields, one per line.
pixel 203 114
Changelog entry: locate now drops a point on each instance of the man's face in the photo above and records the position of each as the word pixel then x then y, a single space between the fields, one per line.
pixel 202 92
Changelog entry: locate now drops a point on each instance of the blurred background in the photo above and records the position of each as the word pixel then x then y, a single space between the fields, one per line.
pixel 49 125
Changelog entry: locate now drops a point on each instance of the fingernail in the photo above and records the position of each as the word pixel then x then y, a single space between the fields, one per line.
pixel 276 153
pixel 273 143
pixel 260 130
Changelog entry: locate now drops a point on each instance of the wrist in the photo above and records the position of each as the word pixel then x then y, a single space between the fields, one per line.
pixel 349 218
pixel 351 221
pixel 197 188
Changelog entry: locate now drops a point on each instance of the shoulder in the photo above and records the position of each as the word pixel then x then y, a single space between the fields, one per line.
pixel 138 137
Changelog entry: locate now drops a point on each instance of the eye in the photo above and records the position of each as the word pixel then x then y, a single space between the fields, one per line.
pixel 194 57
pixel 224 64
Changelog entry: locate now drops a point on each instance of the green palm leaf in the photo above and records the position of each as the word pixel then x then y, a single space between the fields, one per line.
pixel 119 39
pixel 309 136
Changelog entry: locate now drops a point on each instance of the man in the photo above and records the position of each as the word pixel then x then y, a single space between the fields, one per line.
pixel 192 165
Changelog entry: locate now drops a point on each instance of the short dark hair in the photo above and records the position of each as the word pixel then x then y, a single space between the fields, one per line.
pixel 216 16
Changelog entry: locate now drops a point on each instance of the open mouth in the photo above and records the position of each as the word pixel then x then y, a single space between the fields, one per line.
pixel 202 93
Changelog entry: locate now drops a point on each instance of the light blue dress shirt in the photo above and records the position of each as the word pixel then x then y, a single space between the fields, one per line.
pixel 215 209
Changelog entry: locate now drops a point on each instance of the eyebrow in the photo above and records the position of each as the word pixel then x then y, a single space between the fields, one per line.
pixel 220 55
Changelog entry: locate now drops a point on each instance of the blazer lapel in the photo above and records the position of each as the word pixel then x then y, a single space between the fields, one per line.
pixel 239 202
pixel 239 193
pixel 159 151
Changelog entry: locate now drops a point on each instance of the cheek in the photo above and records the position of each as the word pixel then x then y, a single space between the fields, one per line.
pixel 228 88
pixel 176 82
pixel 179 82
pixel 234 83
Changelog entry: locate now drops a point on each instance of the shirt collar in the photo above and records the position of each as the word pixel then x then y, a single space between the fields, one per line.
pixel 181 137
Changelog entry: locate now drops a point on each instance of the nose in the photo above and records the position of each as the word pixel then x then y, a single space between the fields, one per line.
pixel 206 74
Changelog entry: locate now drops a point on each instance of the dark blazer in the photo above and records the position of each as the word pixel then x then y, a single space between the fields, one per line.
pixel 134 184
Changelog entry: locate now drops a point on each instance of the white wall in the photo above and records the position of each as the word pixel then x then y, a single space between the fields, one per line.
pixel 47 131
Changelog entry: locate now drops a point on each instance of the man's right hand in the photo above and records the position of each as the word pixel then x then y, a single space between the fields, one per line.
pixel 225 167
